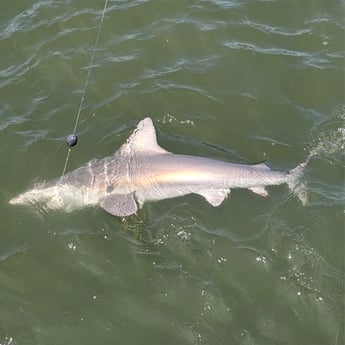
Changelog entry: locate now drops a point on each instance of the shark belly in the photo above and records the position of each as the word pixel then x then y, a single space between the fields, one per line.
pixel 171 176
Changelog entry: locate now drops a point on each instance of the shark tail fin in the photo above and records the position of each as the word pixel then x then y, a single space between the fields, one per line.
pixel 297 187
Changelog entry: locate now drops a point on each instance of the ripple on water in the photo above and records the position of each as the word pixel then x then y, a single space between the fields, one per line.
pixel 240 279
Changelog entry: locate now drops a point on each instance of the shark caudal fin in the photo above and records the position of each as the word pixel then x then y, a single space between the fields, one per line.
pixel 294 182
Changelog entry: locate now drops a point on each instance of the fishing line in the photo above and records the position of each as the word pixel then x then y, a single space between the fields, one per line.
pixel 72 138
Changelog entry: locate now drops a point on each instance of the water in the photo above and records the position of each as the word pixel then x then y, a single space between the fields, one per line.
pixel 244 81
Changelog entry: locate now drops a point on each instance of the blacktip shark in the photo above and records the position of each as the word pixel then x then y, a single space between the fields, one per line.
pixel 143 171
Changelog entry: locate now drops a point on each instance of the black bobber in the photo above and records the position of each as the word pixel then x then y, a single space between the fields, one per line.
pixel 72 140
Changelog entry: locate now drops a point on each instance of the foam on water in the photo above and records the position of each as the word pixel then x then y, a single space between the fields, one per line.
pixel 330 137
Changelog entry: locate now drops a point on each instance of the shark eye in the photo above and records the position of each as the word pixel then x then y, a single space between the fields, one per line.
pixel 109 189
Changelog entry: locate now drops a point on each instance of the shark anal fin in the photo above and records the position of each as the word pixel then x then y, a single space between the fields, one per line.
pixel 259 190
pixel 215 196
pixel 120 205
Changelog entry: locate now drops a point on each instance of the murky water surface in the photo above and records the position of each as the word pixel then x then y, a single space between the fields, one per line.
pixel 244 81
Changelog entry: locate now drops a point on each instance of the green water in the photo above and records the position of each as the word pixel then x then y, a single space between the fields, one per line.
pixel 244 81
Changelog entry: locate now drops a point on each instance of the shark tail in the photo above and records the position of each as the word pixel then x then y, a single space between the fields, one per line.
pixel 297 187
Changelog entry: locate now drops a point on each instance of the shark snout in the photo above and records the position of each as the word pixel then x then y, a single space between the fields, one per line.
pixel 30 196
pixel 18 200
pixel 13 201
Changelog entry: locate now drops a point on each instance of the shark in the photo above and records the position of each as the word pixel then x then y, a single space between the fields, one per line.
pixel 141 170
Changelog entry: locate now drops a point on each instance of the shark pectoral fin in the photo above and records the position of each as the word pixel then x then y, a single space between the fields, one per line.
pixel 215 196
pixel 120 205
pixel 259 190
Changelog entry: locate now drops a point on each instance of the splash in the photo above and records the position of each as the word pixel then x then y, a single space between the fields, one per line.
pixel 8 341
pixel 171 118
pixel 331 139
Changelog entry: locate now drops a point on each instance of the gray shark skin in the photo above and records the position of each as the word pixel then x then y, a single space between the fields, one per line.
pixel 142 171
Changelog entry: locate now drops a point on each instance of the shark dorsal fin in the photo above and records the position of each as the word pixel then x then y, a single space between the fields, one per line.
pixel 143 139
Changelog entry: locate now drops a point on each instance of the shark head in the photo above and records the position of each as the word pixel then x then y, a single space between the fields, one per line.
pixel 40 195
pixel 33 195
pixel 54 196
